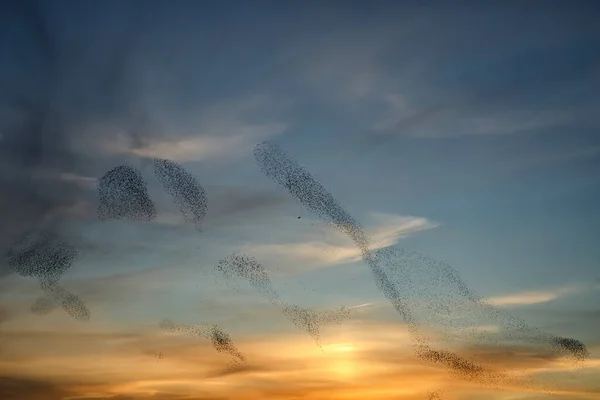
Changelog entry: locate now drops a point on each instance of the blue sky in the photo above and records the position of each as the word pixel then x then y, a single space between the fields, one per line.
pixel 467 132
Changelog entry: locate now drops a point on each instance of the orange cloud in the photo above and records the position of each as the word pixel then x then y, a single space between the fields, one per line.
pixel 365 360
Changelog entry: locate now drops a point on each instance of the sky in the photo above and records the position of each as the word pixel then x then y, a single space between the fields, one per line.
pixel 466 131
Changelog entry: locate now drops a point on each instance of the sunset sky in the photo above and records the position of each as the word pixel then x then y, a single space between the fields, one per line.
pixel 464 130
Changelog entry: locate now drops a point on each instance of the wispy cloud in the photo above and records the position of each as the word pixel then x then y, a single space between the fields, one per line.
pixel 198 148
pixel 401 115
pixel 539 296
pixel 228 128
pixel 406 80
pixel 386 230
pixel 406 118
pixel 389 228
pixel 84 181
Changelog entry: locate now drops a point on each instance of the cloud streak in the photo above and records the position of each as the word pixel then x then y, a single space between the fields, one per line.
pixel 200 148
pixel 225 129
pixel 386 230
pixel 448 122
pixel 538 296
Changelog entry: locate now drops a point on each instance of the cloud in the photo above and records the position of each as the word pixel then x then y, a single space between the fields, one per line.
pixel 538 296
pixel 428 76
pixel 386 230
pixel 200 148
pixel 40 128
pixel 86 181
pixel 367 360
pixel 366 307
pixel 105 109
pixel 437 122
pixel 227 128
pixel 15 388
pixel 401 116
pixel 389 228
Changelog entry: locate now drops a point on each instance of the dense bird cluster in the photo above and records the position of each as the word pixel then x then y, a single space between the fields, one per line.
pixel 311 321
pixel 41 254
pixel 424 292
pixel 187 193
pixel 247 268
pixel 277 166
pixel 573 346
pixel 438 297
pixel 434 396
pixel 460 366
pixel 220 340
pixel 72 304
pixel 123 194
pixel 45 256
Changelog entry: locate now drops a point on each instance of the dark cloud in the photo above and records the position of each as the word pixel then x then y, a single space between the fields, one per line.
pixel 163 395
pixel 48 100
pixel 73 81
pixel 13 388
pixel 239 370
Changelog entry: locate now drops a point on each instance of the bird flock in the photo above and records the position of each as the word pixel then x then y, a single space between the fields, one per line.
pixel 424 292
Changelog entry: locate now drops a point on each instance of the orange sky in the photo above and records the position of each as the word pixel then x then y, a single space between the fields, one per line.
pixel 57 358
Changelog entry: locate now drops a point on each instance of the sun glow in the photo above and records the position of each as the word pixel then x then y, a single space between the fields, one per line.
pixel 342 347
pixel 343 363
